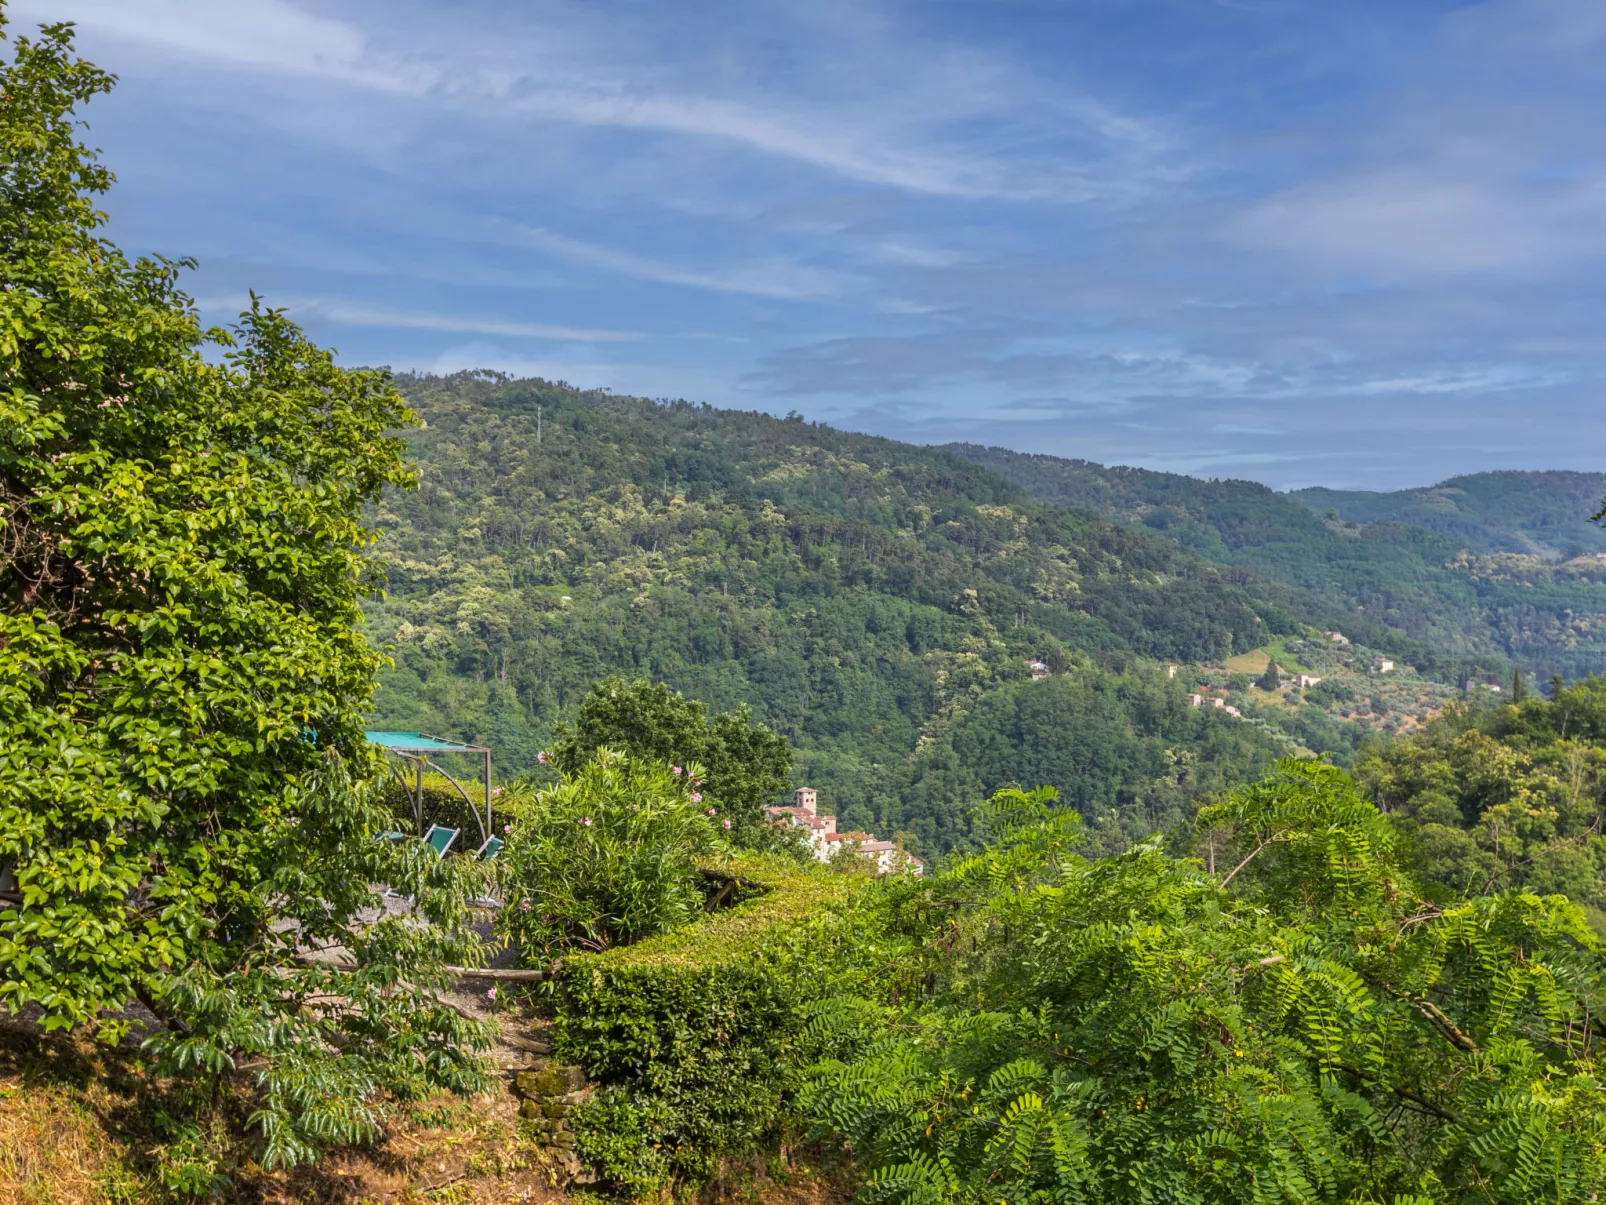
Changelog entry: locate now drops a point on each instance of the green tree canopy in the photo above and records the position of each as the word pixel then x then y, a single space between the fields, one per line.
pixel 1491 798
pixel 182 678
pixel 745 764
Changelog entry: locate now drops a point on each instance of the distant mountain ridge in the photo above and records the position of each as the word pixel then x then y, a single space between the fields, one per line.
pixel 1544 514
pixel 1472 565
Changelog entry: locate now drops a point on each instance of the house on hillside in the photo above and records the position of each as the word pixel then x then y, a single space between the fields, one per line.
pixel 1195 700
pixel 824 840
pixel 1039 670
pixel 1337 637
pixel 1382 664
pixel 1171 669
pixel 886 855
pixel 1231 710
pixel 1304 680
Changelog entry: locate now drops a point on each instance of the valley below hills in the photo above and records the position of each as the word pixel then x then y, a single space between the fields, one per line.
pixel 880 604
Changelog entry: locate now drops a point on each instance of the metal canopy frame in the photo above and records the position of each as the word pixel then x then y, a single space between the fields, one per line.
pixel 415 748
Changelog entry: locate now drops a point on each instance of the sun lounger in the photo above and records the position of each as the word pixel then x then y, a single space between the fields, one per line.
pixel 440 838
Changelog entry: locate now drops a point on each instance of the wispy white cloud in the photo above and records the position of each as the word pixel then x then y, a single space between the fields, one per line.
pixel 1433 219
pixel 1154 232
pixel 772 278
pixel 346 314
pixel 922 125
pixel 1483 158
pixel 271 35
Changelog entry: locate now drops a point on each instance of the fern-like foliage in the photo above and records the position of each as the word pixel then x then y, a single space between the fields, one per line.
pixel 333 1036
pixel 1302 1026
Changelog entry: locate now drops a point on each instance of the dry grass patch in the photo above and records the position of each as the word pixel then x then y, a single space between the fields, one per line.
pixel 1253 662
pixel 59 1139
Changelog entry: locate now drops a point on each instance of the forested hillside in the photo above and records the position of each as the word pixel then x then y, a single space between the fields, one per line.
pixel 1534 514
pixel 1457 567
pixel 1504 796
pixel 873 601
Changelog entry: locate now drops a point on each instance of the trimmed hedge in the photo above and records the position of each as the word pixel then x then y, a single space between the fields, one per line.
pixel 696 1038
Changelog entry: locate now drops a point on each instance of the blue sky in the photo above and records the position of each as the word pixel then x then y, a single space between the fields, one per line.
pixel 1336 242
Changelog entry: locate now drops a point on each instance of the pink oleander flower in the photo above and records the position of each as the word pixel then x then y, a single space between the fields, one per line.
pixel 586 821
pixel 491 994
pixel 696 797
pixel 524 905
pixel 675 770
pixel 506 829
pixel 496 792
pixel 541 757
pixel 726 823
pixel 710 811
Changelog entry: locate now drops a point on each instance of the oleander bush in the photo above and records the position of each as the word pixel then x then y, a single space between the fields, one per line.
pixel 606 856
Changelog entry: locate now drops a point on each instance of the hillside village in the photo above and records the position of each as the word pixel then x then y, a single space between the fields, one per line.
pixel 829 846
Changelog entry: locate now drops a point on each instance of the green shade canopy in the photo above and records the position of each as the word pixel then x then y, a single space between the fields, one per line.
pixel 417 742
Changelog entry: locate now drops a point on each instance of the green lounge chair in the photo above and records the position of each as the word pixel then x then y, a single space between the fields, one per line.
pixel 492 847
pixel 440 838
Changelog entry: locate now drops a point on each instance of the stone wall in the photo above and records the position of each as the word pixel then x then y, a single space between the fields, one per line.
pixel 547 1092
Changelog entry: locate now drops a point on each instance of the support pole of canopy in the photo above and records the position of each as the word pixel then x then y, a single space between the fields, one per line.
pixel 472 811
pixel 416 747
pixel 418 799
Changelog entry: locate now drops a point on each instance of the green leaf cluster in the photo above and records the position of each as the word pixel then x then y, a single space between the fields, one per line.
pixel 1506 796
pixel 743 764
pixel 1302 1025
pixel 183 679
pixel 336 1005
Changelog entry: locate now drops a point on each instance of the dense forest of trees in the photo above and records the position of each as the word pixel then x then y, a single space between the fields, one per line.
pixel 1467 568
pixel 874 602
pixel 1542 513
pixel 1512 796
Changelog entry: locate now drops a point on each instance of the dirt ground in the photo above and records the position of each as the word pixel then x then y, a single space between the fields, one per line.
pixel 79 1124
